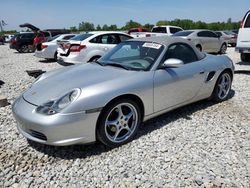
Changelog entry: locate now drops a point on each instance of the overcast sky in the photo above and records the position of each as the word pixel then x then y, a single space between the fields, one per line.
pixel 63 14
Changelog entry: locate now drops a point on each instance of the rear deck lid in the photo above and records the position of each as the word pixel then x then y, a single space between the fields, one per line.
pixel 30 26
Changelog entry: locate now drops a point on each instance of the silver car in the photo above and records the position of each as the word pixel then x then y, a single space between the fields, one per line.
pixel 108 99
pixel 204 40
pixel 229 36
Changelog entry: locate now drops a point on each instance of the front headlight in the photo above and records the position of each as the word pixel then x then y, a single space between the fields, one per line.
pixel 64 101
pixel 53 107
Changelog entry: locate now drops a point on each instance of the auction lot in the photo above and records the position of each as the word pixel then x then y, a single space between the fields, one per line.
pixel 203 144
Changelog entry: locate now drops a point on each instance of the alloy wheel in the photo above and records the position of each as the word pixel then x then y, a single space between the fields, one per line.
pixel 224 85
pixel 121 122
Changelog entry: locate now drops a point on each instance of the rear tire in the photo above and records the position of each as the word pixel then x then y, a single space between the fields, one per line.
pixel 55 56
pixel 245 57
pixel 24 49
pixel 223 48
pixel 222 87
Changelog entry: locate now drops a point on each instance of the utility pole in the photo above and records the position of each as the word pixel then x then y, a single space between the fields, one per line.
pixel 2 23
pixel 1 27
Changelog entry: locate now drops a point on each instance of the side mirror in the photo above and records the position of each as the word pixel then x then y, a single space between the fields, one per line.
pixel 172 63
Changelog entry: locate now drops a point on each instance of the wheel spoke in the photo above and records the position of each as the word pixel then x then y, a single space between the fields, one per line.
pixel 220 92
pixel 114 123
pixel 128 129
pixel 116 134
pixel 128 116
pixel 223 80
pixel 120 111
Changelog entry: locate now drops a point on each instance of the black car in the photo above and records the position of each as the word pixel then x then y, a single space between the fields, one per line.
pixel 22 42
pixel 2 39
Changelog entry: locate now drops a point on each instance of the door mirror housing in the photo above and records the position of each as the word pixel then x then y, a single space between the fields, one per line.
pixel 172 63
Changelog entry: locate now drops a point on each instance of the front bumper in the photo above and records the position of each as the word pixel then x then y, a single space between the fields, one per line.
pixel 58 129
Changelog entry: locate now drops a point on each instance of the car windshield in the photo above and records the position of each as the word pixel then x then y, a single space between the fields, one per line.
pixel 182 33
pixel 133 55
pixel 81 37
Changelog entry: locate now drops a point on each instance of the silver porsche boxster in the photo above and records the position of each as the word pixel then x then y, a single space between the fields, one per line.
pixel 107 100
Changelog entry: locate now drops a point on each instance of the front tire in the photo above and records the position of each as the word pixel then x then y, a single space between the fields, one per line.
pixel 222 87
pixel 118 123
pixel 245 57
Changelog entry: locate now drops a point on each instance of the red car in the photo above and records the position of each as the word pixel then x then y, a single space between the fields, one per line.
pixel 139 29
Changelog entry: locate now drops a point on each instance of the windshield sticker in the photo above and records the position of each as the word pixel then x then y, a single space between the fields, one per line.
pixel 152 45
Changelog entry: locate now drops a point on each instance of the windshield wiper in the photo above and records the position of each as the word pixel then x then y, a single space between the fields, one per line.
pixel 118 65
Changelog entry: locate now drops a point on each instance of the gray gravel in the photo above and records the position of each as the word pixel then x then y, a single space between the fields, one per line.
pixel 200 145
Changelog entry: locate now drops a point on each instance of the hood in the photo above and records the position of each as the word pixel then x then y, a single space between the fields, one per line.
pixel 30 26
pixel 53 85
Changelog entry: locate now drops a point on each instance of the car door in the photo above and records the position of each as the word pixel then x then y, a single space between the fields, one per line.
pixel 204 40
pixel 214 41
pixel 174 86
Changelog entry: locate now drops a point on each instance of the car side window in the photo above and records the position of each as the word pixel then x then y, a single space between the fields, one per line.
pixel 202 34
pixel 109 39
pixel 124 38
pixel 219 34
pixel 212 34
pixel 105 39
pixel 181 51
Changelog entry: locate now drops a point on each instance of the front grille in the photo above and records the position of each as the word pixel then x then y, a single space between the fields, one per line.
pixel 38 135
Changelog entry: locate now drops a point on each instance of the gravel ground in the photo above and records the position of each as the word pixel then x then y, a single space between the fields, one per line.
pixel 200 145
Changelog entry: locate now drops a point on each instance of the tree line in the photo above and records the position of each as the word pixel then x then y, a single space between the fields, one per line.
pixel 183 23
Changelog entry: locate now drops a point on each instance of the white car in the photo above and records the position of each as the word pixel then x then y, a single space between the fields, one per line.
pixel 166 29
pixel 48 50
pixel 88 47
pixel 243 40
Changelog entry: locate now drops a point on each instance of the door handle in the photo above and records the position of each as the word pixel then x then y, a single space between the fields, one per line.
pixel 202 72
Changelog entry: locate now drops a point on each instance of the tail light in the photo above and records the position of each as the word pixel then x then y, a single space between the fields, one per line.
pixel 77 48
pixel 44 46
pixel 148 35
pixel 241 23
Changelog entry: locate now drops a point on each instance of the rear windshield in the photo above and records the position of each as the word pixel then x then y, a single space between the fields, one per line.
pixel 183 33
pixel 229 33
pixel 159 30
pixel 81 37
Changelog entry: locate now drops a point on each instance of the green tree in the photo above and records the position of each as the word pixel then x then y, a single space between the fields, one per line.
pixel 113 27
pixel 148 26
pixel 73 29
pixel 86 26
pixel 131 24
pixel 98 28
pixel 105 27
